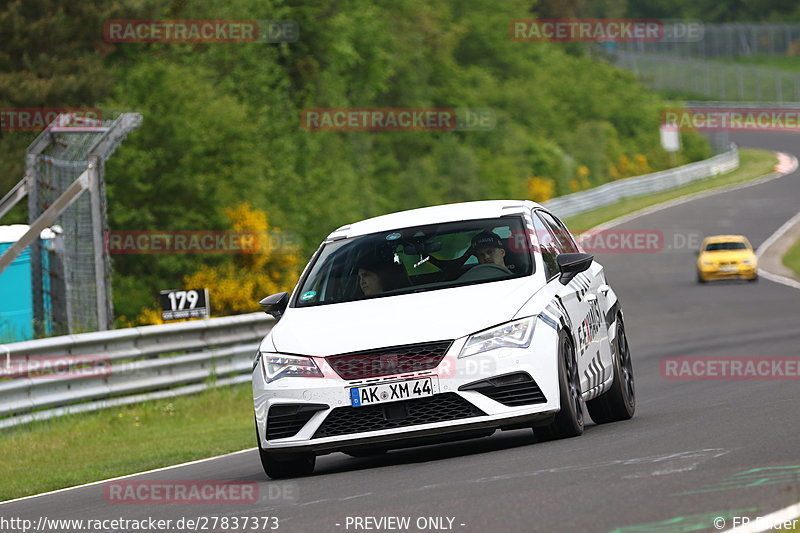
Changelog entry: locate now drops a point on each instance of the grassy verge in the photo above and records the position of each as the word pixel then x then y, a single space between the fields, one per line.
pixel 752 164
pixel 792 258
pixel 77 449
pixel 780 62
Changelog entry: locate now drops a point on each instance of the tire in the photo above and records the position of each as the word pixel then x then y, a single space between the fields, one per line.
pixel 753 279
pixel 700 278
pixel 568 422
pixel 619 402
pixel 285 465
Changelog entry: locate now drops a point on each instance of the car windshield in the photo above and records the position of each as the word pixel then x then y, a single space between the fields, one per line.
pixel 724 246
pixel 417 259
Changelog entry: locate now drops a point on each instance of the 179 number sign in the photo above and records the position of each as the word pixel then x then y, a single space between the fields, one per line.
pixel 192 303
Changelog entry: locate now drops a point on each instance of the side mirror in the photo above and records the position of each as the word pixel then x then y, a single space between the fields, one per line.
pixel 571 265
pixel 275 304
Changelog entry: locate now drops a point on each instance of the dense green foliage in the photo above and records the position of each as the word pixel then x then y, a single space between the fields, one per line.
pixel 221 121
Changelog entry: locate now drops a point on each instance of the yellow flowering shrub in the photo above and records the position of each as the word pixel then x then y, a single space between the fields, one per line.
pixel 541 189
pixel 626 167
pixel 237 286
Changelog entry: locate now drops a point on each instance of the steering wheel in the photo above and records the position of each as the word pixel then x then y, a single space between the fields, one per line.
pixel 484 271
pixel 490 266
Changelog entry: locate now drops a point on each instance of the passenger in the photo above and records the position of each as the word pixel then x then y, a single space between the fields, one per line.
pixel 376 276
pixel 369 281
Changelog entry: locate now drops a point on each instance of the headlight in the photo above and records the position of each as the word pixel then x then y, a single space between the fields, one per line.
pixel 276 365
pixel 516 334
pixel 708 263
pixel 747 262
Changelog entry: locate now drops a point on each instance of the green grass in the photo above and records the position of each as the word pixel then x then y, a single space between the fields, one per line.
pixel 792 258
pixel 80 448
pixel 789 63
pixel 752 164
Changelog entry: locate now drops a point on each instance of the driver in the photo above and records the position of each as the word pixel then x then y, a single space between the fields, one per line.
pixel 488 249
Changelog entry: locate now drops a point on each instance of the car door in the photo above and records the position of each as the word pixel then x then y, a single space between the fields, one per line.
pixel 581 298
pixel 569 297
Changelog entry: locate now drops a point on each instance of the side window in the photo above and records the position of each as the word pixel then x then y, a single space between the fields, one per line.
pixel 564 240
pixel 547 246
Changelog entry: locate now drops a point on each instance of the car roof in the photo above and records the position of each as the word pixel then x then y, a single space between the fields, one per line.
pixel 434 215
pixel 726 238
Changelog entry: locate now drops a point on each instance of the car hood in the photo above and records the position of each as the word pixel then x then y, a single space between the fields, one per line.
pixel 728 256
pixel 442 314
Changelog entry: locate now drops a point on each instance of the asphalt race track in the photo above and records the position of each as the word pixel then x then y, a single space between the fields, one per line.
pixel 694 451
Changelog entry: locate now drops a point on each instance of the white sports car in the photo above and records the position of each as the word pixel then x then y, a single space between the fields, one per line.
pixel 440 323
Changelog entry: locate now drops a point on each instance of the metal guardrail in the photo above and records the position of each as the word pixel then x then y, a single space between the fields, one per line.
pixel 153 362
pixel 609 193
pixel 131 365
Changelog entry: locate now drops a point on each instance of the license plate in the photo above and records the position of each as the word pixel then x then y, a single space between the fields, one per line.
pixel 728 268
pixel 391 392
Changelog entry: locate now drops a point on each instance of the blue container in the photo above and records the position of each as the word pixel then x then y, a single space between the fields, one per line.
pixel 16 290
pixel 16 298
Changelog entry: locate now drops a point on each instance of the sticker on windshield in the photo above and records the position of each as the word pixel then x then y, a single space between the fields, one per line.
pixel 393 236
pixel 308 295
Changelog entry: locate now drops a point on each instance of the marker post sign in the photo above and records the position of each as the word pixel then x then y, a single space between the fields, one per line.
pixel 177 305
pixel 670 141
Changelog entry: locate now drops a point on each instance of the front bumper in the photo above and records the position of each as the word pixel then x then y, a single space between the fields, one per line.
pixel 326 422
pixel 739 271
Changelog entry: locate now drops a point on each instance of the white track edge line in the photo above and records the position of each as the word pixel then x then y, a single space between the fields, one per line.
pixel 163 468
pixel 775 278
pixel 696 196
pixel 605 225
pixel 777 235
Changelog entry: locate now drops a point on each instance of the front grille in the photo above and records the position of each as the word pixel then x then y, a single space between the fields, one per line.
pixel 512 390
pixel 437 408
pixel 388 361
pixel 287 419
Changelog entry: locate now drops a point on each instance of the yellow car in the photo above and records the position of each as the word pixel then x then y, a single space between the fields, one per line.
pixel 726 257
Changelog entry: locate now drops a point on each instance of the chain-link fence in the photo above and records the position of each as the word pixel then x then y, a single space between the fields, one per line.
pixel 710 79
pixel 73 294
pixel 731 40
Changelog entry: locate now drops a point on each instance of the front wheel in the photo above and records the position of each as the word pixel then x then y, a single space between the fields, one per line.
pixel 286 465
pixel 619 402
pixel 568 422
